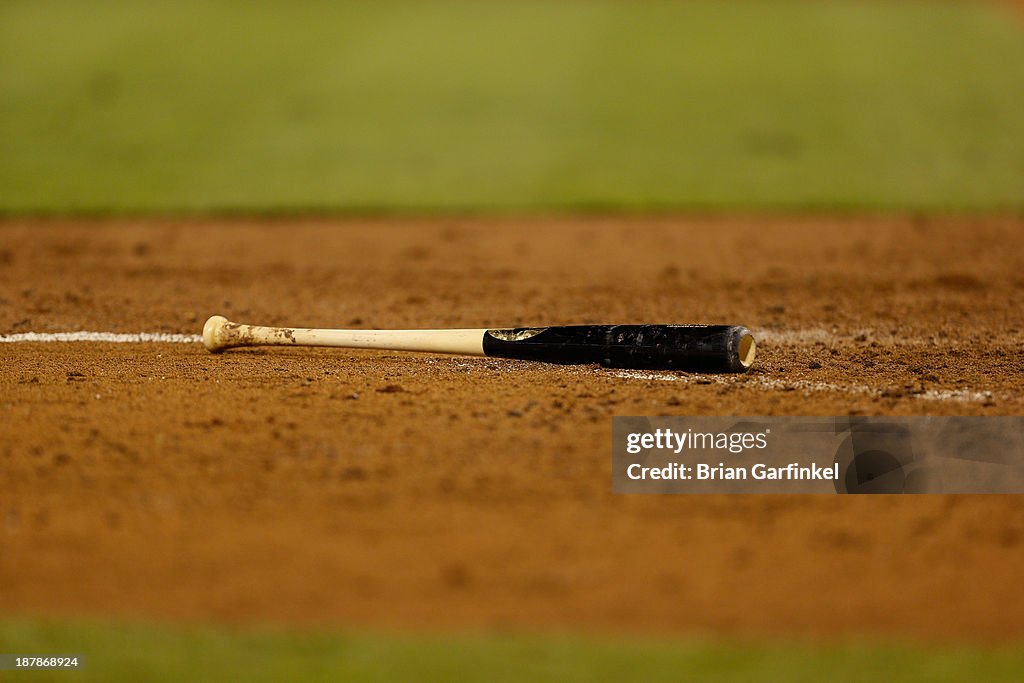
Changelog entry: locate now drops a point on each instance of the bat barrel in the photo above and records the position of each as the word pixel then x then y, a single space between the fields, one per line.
pixel 695 348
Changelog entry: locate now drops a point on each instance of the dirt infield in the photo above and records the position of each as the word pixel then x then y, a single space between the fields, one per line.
pixel 391 490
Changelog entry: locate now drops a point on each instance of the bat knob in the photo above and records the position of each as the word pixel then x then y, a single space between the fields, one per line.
pixel 214 337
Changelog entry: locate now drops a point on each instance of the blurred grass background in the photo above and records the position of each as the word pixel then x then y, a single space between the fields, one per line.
pixel 522 105
pixel 131 652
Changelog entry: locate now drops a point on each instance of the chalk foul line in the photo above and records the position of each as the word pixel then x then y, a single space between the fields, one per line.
pixel 958 395
pixel 112 337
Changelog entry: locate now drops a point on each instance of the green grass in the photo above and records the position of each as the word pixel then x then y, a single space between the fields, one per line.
pixel 532 105
pixel 121 652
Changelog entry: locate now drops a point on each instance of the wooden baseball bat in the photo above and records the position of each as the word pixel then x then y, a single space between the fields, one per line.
pixel 697 348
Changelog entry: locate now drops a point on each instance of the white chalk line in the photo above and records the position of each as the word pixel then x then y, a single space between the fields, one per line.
pixel 792 336
pixel 112 337
pixel 866 336
pixel 957 395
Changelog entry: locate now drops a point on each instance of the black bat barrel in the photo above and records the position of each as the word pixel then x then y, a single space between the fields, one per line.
pixel 693 348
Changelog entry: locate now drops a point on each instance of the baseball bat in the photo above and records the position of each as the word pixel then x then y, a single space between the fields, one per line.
pixel 696 348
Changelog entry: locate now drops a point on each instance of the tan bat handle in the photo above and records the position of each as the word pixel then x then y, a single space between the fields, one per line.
pixel 219 333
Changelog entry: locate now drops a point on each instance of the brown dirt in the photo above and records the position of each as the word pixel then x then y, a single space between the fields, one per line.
pixel 391 490
pixel 1015 5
